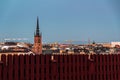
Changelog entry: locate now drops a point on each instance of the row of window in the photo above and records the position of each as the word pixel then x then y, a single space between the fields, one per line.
pixel 65 59
pixel 91 77
pixel 68 77
pixel 71 69
pixel 107 68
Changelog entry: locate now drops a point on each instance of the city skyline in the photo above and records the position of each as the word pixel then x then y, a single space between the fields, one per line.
pixel 61 20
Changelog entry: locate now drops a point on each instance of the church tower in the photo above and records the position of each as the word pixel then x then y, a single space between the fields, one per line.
pixel 37 48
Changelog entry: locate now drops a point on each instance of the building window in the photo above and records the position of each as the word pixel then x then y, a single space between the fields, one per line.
pixel 75 59
pixel 34 70
pixel 24 73
pixel 67 59
pixel 29 60
pixel 95 77
pixel 71 77
pixel 92 77
pixel 80 78
pixel 40 70
pixel 58 59
pixel 88 68
pixel 35 60
pixel 68 78
pixel 76 69
pixel 30 71
pixel 72 69
pixel 13 74
pixel 63 59
pixel 113 76
pixel 79 69
pixel 98 59
pixel 50 77
pixel 50 70
pixel 63 77
pixel 109 67
pixel 113 67
pixel 25 61
pixel 83 59
pixel 113 59
pixel 102 76
pixel 13 60
pixel 116 67
pixel 44 70
pixel 102 67
pixel 44 59
pixel 84 78
pixel 44 78
pixel 58 69
pixel 106 77
pixel 117 76
pixel 40 60
pixel 83 68
pixel 63 69
pixel 98 67
pixel 54 77
pixel 68 70
pixel 106 67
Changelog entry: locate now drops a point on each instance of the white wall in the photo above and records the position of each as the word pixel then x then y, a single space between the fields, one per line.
pixel 115 43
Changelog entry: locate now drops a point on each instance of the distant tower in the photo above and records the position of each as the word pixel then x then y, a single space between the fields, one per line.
pixel 37 48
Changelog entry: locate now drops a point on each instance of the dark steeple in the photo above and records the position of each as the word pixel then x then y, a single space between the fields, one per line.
pixel 37 28
pixel 37 48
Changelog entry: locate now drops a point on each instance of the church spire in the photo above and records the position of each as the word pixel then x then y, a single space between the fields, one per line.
pixel 37 28
pixel 37 48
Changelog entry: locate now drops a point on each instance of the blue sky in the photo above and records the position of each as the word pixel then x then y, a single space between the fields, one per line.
pixel 61 20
